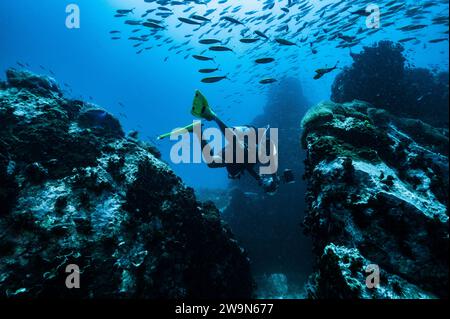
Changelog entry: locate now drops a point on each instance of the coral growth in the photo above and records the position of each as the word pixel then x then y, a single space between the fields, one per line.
pixel 377 194
pixel 74 190
pixel 379 76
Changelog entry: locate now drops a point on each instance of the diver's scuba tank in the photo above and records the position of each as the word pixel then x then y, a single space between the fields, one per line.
pixel 265 140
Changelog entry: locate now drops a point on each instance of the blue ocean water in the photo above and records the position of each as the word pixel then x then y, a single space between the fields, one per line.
pixel 152 91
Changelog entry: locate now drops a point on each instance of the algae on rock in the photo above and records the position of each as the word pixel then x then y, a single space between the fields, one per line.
pixel 75 190
pixel 377 194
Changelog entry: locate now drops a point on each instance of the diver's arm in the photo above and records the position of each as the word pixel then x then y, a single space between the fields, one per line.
pixel 269 183
pixel 252 173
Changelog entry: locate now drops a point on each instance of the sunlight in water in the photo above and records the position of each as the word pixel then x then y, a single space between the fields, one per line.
pixel 178 33
pixel 141 5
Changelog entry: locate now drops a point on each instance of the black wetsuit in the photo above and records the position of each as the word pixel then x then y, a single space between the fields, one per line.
pixel 234 169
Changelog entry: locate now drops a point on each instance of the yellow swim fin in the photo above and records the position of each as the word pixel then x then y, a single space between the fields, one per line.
pixel 201 108
pixel 188 128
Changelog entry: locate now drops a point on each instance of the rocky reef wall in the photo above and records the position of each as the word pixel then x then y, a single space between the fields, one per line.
pixel 377 194
pixel 381 75
pixel 75 190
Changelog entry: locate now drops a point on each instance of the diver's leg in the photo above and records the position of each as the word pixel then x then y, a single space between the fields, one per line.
pixel 199 134
pixel 217 160
pixel 223 127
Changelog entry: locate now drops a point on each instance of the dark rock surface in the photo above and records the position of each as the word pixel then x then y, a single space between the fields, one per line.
pixel 377 194
pixel 74 190
pixel 381 75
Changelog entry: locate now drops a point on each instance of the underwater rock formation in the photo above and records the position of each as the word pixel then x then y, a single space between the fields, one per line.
pixel 381 76
pixel 377 194
pixel 74 190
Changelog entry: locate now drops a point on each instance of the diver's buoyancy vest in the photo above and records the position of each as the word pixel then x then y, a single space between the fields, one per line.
pixel 235 170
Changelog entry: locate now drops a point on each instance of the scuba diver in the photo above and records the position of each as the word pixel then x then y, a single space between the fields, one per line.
pixel 235 143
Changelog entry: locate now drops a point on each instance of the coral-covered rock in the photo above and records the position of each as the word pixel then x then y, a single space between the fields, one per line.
pixel 381 76
pixel 347 270
pixel 377 193
pixel 74 190
pixel 42 85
